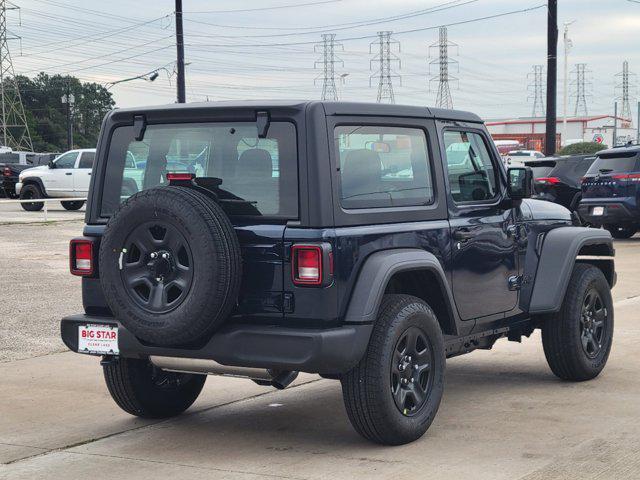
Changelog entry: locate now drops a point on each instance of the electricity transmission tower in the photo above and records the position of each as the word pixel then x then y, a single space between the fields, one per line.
pixel 443 98
pixel 14 131
pixel 328 62
pixel 385 58
pixel 580 84
pixel 625 97
pixel 538 87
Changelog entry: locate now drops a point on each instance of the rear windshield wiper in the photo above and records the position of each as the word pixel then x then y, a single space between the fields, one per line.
pixel 606 170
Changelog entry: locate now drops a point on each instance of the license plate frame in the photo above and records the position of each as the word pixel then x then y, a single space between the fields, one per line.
pixel 597 211
pixel 98 339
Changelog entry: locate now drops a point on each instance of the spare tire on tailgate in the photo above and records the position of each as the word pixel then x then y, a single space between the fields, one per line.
pixel 170 265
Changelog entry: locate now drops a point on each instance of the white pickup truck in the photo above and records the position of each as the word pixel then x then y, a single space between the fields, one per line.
pixel 66 176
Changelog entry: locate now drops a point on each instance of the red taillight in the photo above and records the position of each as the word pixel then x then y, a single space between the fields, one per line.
pixel 6 171
pixel 81 257
pixel 180 177
pixel 548 180
pixel 628 176
pixel 307 264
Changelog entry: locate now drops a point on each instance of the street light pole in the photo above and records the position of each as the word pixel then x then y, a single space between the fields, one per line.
pixel 567 46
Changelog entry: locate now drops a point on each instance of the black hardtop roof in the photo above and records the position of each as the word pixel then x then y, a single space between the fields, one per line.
pixel 627 150
pixel 331 108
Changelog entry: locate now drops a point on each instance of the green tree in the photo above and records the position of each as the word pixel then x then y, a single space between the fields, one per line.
pixel 582 148
pixel 46 114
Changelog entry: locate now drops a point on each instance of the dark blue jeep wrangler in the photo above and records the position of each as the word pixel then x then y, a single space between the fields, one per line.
pixel 362 242
pixel 611 191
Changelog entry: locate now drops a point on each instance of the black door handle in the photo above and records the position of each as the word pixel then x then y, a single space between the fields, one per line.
pixel 68 173
pixel 463 234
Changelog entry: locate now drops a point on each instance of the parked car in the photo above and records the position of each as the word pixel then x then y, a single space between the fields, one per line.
pixel 516 158
pixel 67 176
pixel 12 163
pixel 611 191
pixel 558 179
pixel 369 257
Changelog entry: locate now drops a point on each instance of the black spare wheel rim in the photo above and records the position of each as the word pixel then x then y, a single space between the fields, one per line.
pixel 411 371
pixel 593 323
pixel 157 266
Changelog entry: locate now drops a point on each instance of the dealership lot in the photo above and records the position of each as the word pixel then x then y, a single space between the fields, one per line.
pixel 504 415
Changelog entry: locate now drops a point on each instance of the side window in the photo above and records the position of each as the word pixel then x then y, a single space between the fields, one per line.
pixel 472 176
pixel 68 160
pixel 86 160
pixel 383 166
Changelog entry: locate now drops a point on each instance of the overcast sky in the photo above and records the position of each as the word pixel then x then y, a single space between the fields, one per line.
pixel 237 52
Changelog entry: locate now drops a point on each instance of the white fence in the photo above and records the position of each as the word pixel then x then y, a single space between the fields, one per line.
pixel 45 201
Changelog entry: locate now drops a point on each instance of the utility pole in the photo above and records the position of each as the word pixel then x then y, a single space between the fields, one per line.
pixel 68 99
pixel 538 89
pixel 625 97
pixel 14 130
pixel 552 77
pixel 384 59
pixel 328 62
pixel 581 90
pixel 180 52
pixel 568 45
pixel 443 98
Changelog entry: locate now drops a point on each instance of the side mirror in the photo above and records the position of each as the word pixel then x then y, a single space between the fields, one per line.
pixel 51 164
pixel 520 183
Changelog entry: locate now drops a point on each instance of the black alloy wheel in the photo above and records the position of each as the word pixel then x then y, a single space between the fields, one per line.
pixel 593 320
pixel 157 266
pixel 411 378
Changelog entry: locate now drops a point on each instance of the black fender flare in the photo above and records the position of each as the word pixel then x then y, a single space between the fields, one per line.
pixel 375 274
pixel 37 181
pixel 559 253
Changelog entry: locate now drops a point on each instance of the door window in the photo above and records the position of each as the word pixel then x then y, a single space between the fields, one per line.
pixel 472 175
pixel 383 166
pixel 86 160
pixel 68 160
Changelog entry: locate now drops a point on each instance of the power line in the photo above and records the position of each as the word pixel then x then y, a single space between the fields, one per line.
pixel 260 9
pixel 443 98
pixel 538 86
pixel 14 129
pixel 384 59
pixel 328 62
pixel 364 37
pixel 336 27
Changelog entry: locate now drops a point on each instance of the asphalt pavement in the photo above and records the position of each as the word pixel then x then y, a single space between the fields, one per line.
pixel 503 415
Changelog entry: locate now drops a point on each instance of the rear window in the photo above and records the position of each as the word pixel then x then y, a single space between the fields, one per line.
pixel 251 176
pixel 541 171
pixel 614 164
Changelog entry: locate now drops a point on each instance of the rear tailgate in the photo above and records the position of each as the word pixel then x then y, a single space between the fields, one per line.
pixel 612 176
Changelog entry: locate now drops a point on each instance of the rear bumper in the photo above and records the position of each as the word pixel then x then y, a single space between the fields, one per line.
pixel 327 351
pixel 615 213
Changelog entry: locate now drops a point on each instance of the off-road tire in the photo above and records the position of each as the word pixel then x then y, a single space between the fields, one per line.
pixel 562 331
pixel 368 388
pixel 145 391
pixel 216 265
pixel 73 205
pixel 28 192
pixel 621 233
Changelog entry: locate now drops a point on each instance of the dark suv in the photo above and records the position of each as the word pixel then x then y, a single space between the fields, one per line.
pixel 611 191
pixel 558 179
pixel 362 242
